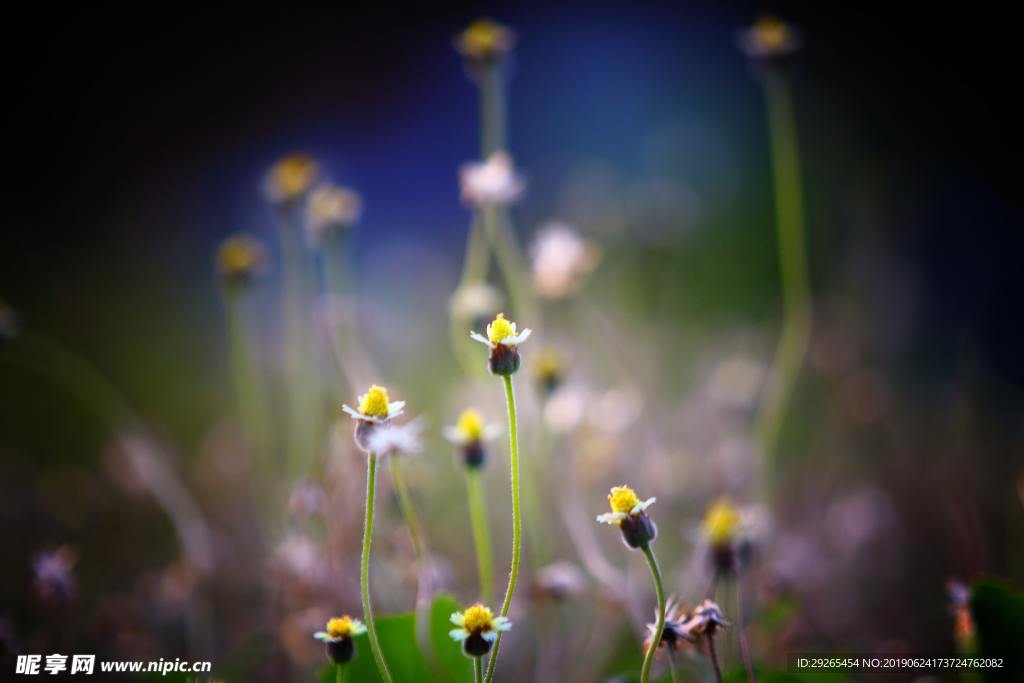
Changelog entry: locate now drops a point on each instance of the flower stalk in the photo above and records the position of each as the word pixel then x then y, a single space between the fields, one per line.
pixel 659 628
pixel 364 568
pixel 481 534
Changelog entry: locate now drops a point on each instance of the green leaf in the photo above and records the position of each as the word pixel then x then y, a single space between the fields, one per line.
pixel 451 663
pixel 998 613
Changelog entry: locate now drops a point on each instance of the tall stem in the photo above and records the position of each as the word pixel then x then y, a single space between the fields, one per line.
pixel 341 673
pixel 249 391
pixel 517 522
pixel 659 588
pixel 478 670
pixel 741 631
pixel 796 296
pixel 481 535
pixel 405 502
pixel 713 654
pixel 364 567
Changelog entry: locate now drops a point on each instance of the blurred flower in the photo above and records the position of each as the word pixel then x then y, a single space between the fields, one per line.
pixel 474 301
pixel 290 179
pixel 492 181
pixel 54 581
pixel 469 433
pixel 549 369
pixel 960 606
pixel 308 499
pixel 615 409
pixel 735 381
pixel 338 637
pixel 558 581
pixel 721 522
pixel 769 38
pixel 477 629
pixel 566 408
pixel 485 41
pixel 331 210
pixel 674 633
pixel 240 260
pixel 9 322
pixel 391 438
pixel 502 339
pixel 561 259
pixel 705 620
pixel 628 513
pixel 302 558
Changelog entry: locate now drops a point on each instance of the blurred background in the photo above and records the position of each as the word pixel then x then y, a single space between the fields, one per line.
pixel 139 142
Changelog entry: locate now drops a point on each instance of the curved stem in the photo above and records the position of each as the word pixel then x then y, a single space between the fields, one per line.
pixel 517 522
pixel 481 535
pixel 796 296
pixel 364 568
pixel 659 588
pixel 741 632
pixel 713 654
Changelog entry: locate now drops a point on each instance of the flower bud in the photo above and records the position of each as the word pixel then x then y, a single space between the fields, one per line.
pixel 341 651
pixel 638 530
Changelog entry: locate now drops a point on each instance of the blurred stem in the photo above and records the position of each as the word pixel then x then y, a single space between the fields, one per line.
pixel 301 380
pixel 249 390
pixel 713 654
pixel 341 673
pixel 364 568
pixel 481 535
pixel 511 263
pixel 405 502
pixel 659 588
pixel 492 108
pixel 796 296
pixel 741 631
pixel 353 362
pixel 672 664
pixel 474 271
pixel 478 670
pixel 517 523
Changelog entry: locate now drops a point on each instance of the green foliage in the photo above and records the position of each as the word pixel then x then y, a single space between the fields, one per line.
pixel 401 650
pixel 998 613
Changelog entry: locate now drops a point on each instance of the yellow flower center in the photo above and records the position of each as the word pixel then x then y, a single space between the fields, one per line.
pixel 470 425
pixel 623 499
pixel 478 618
pixel 375 402
pixel 339 627
pixel 500 329
pixel 292 176
pixel 239 255
pixel 720 522
pixel 771 32
pixel 485 38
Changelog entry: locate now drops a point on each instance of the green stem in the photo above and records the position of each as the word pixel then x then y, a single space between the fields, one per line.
pixel 652 562
pixel 364 568
pixel 481 535
pixel 341 673
pixel 672 664
pixel 478 670
pixel 796 296
pixel 492 109
pixel 405 502
pixel 517 522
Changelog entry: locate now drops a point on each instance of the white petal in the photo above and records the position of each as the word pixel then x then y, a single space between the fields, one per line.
pixel 640 507
pixel 323 636
pixel 454 436
pixel 491 431
pixel 459 634
pixel 350 411
pixel 458 618
pixel 517 339
pixel 490 636
pixel 395 408
pixel 476 336
pixel 611 517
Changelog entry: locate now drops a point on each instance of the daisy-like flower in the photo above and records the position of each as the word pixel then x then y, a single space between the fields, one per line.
pixel 629 514
pixel 485 41
pixel 331 210
pixel 469 433
pixel 477 629
pixel 503 340
pixel 240 260
pixel 721 522
pixel 374 409
pixel 54 577
pixel 549 370
pixel 391 438
pixel 338 635
pixel 705 620
pixel 290 179
pixel 768 39
pixel 493 181
pixel 559 581
pixel 561 259
pixel 674 635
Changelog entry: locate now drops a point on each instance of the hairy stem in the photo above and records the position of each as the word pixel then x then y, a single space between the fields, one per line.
pixel 659 588
pixel 364 568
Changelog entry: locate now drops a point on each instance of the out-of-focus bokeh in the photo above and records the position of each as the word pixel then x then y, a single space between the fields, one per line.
pixel 177 478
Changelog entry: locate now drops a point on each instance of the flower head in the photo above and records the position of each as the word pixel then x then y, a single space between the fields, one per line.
pixel 705 620
pixel 469 433
pixel 490 182
pixel 721 523
pixel 290 179
pixel 330 210
pixel 374 406
pixel 240 260
pixel 558 581
pixel 485 41
pixel 338 636
pixel 561 259
pixel 54 576
pixel 769 38
pixel 628 513
pixel 549 369
pixel 477 629
pixel 502 339
pixel 674 634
